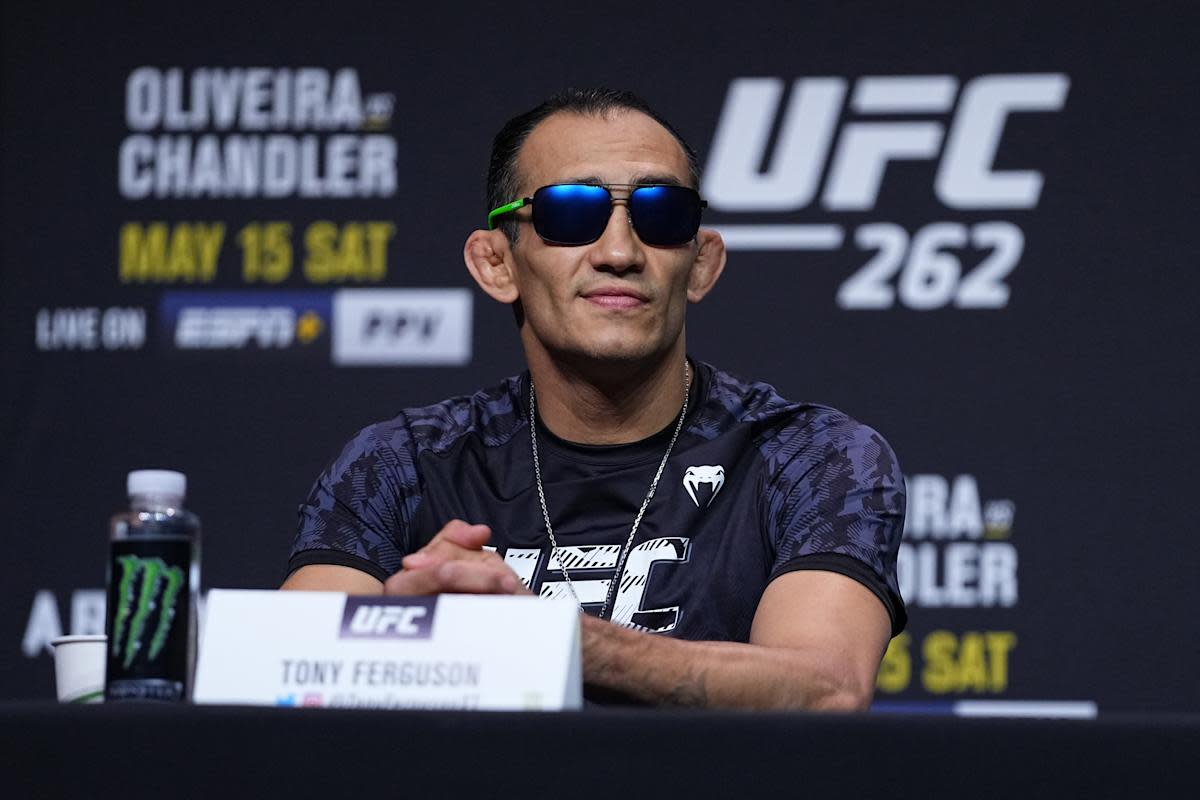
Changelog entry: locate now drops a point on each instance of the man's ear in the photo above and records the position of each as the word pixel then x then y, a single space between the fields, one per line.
pixel 489 259
pixel 710 261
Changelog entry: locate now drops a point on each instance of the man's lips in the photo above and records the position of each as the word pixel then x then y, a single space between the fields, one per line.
pixel 616 298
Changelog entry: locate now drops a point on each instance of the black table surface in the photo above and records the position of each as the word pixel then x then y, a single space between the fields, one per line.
pixel 164 752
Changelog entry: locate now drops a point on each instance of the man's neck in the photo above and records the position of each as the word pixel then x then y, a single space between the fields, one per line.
pixel 592 404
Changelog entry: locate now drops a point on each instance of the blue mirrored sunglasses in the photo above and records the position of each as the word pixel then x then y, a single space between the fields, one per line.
pixel 663 215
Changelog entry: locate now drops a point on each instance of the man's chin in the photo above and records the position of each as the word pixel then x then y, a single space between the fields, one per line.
pixel 615 351
pixel 617 344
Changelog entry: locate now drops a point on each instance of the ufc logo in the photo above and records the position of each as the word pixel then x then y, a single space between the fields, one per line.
pixel 808 127
pixel 364 618
pixel 591 570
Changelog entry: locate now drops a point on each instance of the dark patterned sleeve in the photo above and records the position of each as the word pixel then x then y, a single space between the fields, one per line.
pixel 837 504
pixel 356 514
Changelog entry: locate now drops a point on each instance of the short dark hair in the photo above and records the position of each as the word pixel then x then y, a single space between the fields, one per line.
pixel 503 183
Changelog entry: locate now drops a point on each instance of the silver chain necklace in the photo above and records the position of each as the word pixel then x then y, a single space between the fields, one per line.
pixel 537 473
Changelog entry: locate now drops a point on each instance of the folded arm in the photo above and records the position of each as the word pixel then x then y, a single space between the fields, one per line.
pixel 816 643
pixel 332 578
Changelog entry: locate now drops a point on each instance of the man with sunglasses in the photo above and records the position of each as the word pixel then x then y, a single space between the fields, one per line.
pixel 727 547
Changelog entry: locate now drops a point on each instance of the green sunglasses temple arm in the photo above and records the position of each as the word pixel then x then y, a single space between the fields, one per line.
pixel 502 210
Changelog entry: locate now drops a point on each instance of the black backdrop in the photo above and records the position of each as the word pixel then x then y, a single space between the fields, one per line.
pixel 1019 323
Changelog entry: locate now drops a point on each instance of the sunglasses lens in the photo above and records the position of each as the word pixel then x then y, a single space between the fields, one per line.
pixel 665 215
pixel 571 214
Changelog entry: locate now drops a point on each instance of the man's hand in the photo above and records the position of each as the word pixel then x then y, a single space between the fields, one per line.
pixel 455 562
pixel 816 641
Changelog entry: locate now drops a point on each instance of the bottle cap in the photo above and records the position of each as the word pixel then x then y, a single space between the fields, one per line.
pixel 157 481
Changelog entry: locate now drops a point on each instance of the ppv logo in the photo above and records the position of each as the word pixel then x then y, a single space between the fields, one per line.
pixel 159 592
pixel 401 326
pixel 742 176
pixel 373 618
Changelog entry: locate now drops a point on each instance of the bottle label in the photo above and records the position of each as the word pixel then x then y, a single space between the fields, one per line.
pixel 148 619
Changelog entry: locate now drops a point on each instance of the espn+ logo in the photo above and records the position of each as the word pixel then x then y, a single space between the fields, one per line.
pixel 777 156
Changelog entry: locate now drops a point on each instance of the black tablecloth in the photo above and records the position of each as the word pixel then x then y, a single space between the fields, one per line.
pixel 168 753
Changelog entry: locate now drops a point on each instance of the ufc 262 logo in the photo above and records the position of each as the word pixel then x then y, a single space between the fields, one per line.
pixel 772 155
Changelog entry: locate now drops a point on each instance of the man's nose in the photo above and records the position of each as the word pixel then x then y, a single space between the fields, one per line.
pixel 618 248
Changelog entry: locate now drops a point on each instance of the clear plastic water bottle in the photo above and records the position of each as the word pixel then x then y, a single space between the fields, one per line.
pixel 153 586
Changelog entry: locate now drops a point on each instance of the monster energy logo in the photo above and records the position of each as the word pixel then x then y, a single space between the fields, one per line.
pixel 159 590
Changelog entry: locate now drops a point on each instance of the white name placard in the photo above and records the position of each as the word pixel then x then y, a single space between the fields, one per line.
pixel 334 650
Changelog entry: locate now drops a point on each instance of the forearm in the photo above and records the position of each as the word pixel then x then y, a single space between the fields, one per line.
pixel 716 674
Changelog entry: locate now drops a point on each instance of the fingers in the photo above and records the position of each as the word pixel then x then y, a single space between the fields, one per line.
pixel 466 578
pixel 471 537
pixel 442 551
pixel 457 540
pixel 411 583
pixel 456 577
pixel 455 562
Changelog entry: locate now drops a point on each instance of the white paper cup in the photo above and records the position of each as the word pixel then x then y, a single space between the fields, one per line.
pixel 79 662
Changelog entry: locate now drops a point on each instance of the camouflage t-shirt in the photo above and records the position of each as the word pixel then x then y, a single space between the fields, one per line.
pixel 755 487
